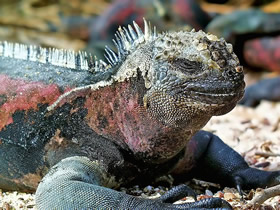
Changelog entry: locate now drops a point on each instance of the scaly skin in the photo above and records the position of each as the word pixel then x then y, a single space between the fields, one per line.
pixel 137 117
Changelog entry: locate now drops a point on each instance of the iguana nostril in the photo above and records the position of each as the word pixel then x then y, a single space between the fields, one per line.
pixel 239 69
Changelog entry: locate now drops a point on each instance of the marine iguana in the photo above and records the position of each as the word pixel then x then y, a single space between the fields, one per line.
pixel 86 125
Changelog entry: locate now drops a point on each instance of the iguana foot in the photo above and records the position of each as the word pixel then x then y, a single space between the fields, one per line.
pixel 252 178
pixel 216 162
pixel 178 192
pixel 181 191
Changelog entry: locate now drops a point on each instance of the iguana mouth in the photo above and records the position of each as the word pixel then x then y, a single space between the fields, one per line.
pixel 220 102
pixel 216 94
pixel 218 98
pixel 209 93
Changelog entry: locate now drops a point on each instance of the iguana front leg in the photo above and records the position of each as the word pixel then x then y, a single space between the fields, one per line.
pixel 79 183
pixel 217 162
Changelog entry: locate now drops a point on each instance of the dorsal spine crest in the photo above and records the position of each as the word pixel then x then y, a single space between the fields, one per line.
pixel 56 57
pixel 126 41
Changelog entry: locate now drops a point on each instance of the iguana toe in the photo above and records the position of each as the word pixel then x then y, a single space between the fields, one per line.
pixel 177 193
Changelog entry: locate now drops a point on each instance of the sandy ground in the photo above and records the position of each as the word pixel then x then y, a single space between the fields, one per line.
pixel 254 133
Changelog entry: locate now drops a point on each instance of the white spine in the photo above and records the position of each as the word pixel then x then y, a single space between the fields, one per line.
pixel 8 49
pixel 84 62
pixel 33 53
pixel 127 40
pixel 20 51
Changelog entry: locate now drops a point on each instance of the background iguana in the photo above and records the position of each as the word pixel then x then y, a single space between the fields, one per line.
pixel 90 125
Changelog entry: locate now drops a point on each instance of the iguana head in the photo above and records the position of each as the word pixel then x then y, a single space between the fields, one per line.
pixel 188 76
pixel 193 75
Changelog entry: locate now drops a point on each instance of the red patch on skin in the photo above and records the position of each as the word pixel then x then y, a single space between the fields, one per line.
pixel 115 113
pixel 23 95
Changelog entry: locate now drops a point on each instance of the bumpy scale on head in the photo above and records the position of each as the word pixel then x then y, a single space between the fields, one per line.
pixel 194 46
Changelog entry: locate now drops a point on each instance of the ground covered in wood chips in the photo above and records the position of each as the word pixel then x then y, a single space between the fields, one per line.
pixel 253 132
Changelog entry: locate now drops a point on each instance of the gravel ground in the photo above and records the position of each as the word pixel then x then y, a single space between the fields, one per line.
pixel 254 133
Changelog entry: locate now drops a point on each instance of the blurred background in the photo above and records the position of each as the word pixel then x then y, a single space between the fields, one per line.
pixel 252 26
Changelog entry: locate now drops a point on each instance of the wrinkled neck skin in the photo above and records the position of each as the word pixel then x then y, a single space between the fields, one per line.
pixel 118 113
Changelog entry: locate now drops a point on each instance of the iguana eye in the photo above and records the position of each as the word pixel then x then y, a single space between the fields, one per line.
pixel 186 66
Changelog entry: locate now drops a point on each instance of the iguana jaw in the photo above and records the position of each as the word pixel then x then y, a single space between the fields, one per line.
pixel 189 104
pixel 218 96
